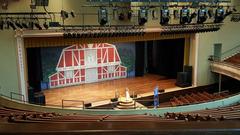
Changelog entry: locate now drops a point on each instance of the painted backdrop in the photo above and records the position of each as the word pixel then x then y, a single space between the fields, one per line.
pixel 86 63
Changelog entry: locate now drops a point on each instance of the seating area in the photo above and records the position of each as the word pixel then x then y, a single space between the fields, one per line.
pixel 24 116
pixel 234 59
pixel 218 114
pixel 196 97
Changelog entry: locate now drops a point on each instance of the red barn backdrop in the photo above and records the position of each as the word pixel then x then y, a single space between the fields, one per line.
pixel 87 63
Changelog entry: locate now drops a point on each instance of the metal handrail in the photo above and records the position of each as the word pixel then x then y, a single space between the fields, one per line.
pixel 236 66
pixel 13 93
pixel 63 100
pixel 230 51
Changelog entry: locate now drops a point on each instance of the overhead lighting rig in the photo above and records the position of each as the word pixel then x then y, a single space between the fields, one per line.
pixel 190 28
pixel 202 14
pixel 184 15
pixel 100 32
pixel 219 15
pixel 23 20
pixel 164 15
pixel 142 16
pixel 102 16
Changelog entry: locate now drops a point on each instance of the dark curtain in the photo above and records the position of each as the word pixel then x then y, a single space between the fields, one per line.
pixel 140 55
pixel 166 57
pixel 34 68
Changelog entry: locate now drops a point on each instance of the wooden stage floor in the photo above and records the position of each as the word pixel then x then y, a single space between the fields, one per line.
pixel 95 92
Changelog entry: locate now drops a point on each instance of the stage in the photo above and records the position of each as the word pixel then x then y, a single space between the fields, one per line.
pixel 105 90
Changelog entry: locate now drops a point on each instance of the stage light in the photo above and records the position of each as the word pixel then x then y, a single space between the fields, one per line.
pixel 65 35
pixel 78 35
pixel 219 15
pixel 37 25
pixel 64 14
pixel 17 23
pixel 74 35
pixel 102 16
pixel 165 16
pixel 72 14
pixel 45 25
pixel 11 24
pixel 184 15
pixel 24 25
pixel 202 14
pixel 142 16
pixel 69 35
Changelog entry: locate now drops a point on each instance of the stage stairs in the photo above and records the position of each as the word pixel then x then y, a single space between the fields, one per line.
pixel 228 64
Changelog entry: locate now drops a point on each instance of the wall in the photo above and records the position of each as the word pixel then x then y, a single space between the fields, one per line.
pixel 228 35
pixel 8 66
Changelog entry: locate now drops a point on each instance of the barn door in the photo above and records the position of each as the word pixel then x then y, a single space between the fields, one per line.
pixel 91 75
pixel 91 65
pixel 90 57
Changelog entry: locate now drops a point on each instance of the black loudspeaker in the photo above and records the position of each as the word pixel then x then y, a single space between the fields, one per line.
pixel 182 78
pixel 40 100
pixel 188 69
pixel 87 105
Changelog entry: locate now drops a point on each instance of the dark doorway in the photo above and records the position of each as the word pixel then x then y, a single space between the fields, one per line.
pixel 165 57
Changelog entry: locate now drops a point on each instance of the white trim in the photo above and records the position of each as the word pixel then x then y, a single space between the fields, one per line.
pixel 195 74
pixel 20 55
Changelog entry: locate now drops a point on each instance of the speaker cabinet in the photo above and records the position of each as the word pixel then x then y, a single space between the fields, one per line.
pixel 182 79
pixel 188 69
pixel 87 105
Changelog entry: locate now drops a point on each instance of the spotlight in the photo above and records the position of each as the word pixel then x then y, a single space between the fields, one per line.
pixel 45 25
pixel 142 16
pixel 202 14
pixel 72 14
pixel 74 35
pixel 184 15
pixel 64 14
pixel 165 17
pixel 24 25
pixel 69 35
pixel 11 24
pixel 219 15
pixel 78 35
pixel 65 35
pixel 37 25
pixel 102 16
pixel 17 23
